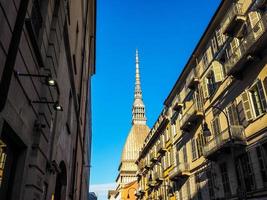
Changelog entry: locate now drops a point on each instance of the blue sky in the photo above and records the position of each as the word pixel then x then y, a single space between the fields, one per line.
pixel 165 32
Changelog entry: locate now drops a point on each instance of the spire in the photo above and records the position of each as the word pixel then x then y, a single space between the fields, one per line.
pixel 138 110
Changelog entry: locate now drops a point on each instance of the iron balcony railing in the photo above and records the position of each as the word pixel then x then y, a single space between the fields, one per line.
pixel 232 16
pixel 181 170
pixel 161 148
pixel 153 156
pixel 191 114
pixel 222 140
pixel 158 177
pixel 192 79
pixel 246 46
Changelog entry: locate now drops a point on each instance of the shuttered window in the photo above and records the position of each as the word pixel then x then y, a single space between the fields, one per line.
pixel 214 45
pixel 246 106
pixel 232 114
pixel 193 145
pixel 234 51
pixel 258 100
pixel 200 142
pixel 218 71
pixel 215 124
pixel 185 154
pixel 220 37
pixel 205 88
pixel 209 55
pixel 255 23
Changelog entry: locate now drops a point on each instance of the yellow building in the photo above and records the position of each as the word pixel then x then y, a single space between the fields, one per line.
pixel 210 141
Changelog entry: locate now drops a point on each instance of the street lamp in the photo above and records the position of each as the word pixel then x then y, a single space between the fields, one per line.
pixel 207 132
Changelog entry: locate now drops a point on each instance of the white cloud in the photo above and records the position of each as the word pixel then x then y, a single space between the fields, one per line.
pixel 101 190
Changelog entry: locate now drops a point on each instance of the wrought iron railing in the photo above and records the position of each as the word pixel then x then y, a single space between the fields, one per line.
pixel 221 139
pixel 191 77
pixel 252 36
pixel 234 11
pixel 180 169
pixel 193 109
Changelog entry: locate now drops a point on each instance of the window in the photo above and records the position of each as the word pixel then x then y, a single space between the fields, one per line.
pixel 245 172
pixel 220 37
pixel 234 51
pixel 225 180
pixel 215 124
pixel 258 99
pixel 262 158
pixel 232 114
pixel 201 141
pixel 254 101
pixel 255 23
pixel 168 159
pixel 167 133
pixel 211 83
pixel 188 189
pixel 214 45
pixel 198 187
pixel 194 152
pixel 210 177
pixel 185 154
pixel 177 156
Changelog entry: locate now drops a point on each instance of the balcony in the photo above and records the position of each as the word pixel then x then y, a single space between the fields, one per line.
pixel 221 143
pixel 151 184
pixel 158 177
pixel 182 170
pixel 161 148
pixel 192 80
pixel 178 106
pixel 234 21
pixel 248 49
pixel 191 115
pixel 153 157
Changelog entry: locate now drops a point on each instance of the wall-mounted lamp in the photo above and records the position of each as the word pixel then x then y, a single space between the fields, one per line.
pixel 48 79
pixel 56 105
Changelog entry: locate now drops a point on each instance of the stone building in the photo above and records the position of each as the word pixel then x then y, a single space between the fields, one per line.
pixel 135 139
pixel 210 140
pixel 47 58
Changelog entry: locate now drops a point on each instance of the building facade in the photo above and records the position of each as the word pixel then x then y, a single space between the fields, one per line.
pixel 47 56
pixel 210 141
pixel 135 139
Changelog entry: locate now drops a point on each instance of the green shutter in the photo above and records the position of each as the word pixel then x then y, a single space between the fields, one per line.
pixel 262 96
pixel 217 70
pixel 246 106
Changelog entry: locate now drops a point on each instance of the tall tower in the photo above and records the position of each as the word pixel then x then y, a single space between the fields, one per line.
pixel 136 137
pixel 138 110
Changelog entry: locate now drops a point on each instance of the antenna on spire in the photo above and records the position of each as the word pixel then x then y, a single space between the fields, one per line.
pixel 138 106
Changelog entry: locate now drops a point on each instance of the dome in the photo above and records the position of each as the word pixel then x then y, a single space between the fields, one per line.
pixel 132 146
